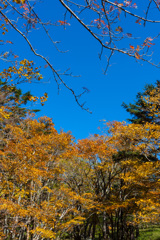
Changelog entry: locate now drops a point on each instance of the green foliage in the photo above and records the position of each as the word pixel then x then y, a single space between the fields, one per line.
pixel 149 234
pixel 14 101
pixel 139 110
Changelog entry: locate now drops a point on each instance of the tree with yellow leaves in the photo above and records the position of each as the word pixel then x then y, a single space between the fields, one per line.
pixel 30 177
pixel 103 187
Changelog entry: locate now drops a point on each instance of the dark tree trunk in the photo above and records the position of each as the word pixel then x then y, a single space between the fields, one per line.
pixel 85 230
pixel 94 226
pixel 77 235
pixel 137 231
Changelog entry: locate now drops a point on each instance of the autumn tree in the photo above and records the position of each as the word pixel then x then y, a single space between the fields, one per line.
pixel 30 179
pixel 102 187
pixel 54 188
pixel 120 190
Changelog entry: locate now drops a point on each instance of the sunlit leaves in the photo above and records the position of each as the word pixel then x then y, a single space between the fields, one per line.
pixel 31 156
pixel 3 113
pixel 23 72
pixel 58 184
pixel 19 1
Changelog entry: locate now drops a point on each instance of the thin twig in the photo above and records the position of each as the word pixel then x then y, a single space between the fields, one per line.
pixel 130 13
pixel 102 44
pixel 147 11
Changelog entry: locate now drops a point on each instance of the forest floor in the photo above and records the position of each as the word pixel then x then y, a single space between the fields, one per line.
pixel 150 234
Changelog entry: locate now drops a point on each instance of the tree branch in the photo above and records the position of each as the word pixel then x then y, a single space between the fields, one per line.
pixel 102 44
pixel 130 13
pixel 46 60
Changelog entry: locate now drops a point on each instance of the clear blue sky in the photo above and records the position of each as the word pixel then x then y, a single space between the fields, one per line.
pixel 124 78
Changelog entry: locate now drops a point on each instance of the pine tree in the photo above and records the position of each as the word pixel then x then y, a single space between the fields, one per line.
pixel 141 110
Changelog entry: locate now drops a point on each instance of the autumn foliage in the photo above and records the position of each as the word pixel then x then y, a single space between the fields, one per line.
pixel 103 187
pixel 52 187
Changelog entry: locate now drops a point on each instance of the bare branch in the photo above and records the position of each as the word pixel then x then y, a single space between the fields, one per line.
pixel 147 11
pixel 156 4
pixel 108 61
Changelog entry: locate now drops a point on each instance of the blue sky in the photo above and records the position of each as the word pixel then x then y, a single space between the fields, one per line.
pixel 124 78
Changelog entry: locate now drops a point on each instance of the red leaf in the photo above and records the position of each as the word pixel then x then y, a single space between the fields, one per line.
pixel 138 21
pixel 9 42
pixel 134 5
pixel 63 22
pixel 129 34
pixel 132 47
pixel 111 8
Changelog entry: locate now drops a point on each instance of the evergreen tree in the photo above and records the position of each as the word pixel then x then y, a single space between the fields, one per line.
pixel 14 102
pixel 144 110
pixel 140 110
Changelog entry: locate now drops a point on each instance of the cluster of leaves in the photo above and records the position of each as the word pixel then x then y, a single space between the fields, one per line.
pixel 98 188
pixel 22 72
pixel 12 101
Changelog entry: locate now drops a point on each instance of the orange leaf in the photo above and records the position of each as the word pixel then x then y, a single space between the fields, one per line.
pixel 119 29
pixel 132 47
pixel 138 48
pixel 63 22
pixel 137 55
pixel 138 21
pixel 9 42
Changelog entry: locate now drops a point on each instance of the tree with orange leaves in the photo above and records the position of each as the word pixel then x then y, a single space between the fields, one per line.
pixel 103 187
